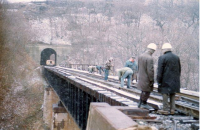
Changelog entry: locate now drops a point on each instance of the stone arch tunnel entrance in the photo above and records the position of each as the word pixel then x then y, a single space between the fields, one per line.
pixel 48 57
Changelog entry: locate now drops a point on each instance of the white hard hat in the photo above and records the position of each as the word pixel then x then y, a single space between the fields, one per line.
pixel 152 46
pixel 166 46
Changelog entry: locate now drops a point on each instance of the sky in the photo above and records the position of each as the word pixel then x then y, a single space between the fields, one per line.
pixel 16 1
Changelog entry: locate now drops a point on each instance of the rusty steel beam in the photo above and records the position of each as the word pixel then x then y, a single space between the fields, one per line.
pixel 142 117
pixel 133 111
pixel 188 110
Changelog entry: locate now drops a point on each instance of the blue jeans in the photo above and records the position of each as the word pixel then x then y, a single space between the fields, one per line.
pixel 128 74
pixel 106 74
pixel 99 68
pixel 99 71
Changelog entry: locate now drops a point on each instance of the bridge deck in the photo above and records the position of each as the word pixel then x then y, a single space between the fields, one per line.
pixel 79 88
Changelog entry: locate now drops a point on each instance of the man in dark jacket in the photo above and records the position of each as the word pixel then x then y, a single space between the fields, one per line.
pixel 146 75
pixel 168 77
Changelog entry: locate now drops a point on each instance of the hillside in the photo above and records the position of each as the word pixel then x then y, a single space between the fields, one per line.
pixel 21 83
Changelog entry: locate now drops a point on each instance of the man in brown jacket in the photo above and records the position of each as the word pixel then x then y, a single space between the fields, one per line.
pixel 146 75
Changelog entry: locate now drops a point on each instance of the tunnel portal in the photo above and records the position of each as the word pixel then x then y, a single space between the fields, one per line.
pixel 48 57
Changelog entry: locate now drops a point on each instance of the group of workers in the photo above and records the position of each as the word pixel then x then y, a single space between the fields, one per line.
pixel 168 76
pixel 105 69
pixel 95 68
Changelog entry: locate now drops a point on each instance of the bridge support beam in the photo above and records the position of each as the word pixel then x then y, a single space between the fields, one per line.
pixel 60 118
pixel 50 98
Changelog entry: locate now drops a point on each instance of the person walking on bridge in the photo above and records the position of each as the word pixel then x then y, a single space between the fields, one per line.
pixel 146 75
pixel 123 73
pixel 168 78
pixel 108 66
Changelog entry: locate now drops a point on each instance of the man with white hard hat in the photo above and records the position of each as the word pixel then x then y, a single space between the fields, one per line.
pixel 146 75
pixel 168 78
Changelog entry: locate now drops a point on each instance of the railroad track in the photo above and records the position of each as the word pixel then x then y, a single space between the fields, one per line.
pixel 185 103
pixel 190 95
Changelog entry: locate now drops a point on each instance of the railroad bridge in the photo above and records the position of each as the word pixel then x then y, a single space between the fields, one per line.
pixel 93 104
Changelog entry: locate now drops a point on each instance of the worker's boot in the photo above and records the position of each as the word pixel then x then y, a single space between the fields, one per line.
pixel 139 104
pixel 146 106
pixel 172 112
pixel 163 112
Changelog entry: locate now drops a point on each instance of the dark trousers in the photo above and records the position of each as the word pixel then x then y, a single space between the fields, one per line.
pixel 134 76
pixel 144 96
